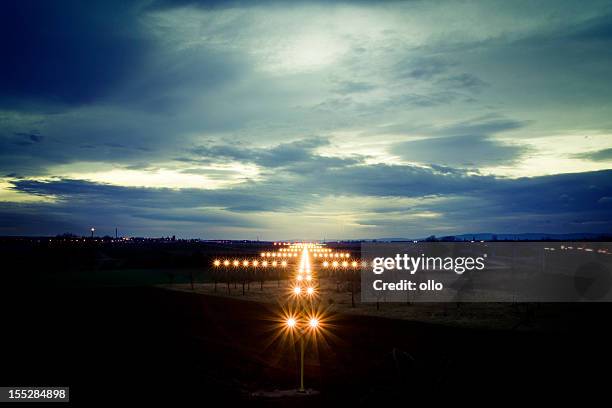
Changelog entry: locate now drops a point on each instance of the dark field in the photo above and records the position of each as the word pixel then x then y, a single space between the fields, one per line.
pixel 151 344
pixel 70 319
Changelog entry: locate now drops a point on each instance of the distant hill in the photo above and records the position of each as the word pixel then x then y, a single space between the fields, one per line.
pixel 529 236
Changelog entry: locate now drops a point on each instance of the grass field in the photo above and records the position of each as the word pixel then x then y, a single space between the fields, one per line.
pixel 337 299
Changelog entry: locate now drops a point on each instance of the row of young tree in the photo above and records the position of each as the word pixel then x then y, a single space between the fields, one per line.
pixel 234 275
pixel 238 276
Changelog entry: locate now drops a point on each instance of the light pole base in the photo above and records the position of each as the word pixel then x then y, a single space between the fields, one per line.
pixel 284 393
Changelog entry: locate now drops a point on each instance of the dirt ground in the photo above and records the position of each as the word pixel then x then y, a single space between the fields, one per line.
pixel 337 299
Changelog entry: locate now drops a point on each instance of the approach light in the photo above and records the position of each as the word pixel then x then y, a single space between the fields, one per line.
pixel 217 262
pixel 314 323
pixel 291 322
pixel 226 263
pixel 297 290
pixel 310 290
pixel 236 263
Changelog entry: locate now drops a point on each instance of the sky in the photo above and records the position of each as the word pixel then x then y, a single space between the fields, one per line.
pixel 305 120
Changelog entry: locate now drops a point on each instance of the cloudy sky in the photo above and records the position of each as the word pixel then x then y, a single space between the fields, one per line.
pixel 309 120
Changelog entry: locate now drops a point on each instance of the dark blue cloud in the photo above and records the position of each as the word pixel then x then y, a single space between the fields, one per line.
pixel 424 68
pixel 66 52
pixel 598 29
pixel 599 155
pixel 464 81
pixel 560 203
pixel 470 151
pixel 297 156
pixel 350 87
pixel 467 144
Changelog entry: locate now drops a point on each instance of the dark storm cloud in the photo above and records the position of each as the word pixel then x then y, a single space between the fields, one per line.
pixel 401 181
pixel 599 155
pixel 29 137
pixel 578 194
pixel 137 211
pixel 101 87
pixel 176 81
pixel 597 29
pixel 569 202
pixel 465 81
pixel 349 87
pixel 66 52
pixel 85 192
pixel 424 68
pixel 565 202
pixel 37 219
pixel 464 144
pixel 429 100
pixel 440 72
pixel 463 151
pixel 201 216
pixel 296 156
pixel 486 125
pixel 51 219
pixel 559 203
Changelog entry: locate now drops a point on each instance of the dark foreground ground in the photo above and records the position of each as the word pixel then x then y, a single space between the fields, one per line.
pixel 153 345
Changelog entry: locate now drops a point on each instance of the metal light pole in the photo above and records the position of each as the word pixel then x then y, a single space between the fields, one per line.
pixel 304 289
pixel 302 363
pixel 306 320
